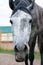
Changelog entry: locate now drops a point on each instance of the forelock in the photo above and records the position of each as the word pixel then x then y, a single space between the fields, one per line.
pixel 20 13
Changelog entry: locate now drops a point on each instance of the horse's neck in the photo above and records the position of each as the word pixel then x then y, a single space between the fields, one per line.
pixel 37 14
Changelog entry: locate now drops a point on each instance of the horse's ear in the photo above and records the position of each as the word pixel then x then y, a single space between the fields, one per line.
pixel 33 1
pixel 11 4
pixel 30 7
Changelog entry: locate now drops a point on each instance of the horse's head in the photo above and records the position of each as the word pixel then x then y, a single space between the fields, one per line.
pixel 21 28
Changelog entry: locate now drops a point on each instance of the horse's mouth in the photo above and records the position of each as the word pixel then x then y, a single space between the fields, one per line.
pixel 20 55
pixel 19 59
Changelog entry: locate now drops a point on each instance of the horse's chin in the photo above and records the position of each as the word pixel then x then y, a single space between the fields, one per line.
pixel 20 56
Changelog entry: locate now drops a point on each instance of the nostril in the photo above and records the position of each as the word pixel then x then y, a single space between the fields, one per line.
pixel 15 48
pixel 25 47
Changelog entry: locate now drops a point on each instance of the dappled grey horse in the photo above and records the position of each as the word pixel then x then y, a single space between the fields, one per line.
pixel 27 24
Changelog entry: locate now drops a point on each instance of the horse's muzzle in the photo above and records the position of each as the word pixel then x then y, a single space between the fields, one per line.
pixel 20 55
pixel 19 59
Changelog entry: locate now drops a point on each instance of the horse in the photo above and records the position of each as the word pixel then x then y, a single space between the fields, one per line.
pixel 27 24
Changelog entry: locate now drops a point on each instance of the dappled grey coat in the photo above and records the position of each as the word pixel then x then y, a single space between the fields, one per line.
pixel 37 21
pixel 37 15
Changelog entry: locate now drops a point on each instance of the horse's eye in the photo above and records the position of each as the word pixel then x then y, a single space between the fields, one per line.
pixel 30 21
pixel 11 22
pixel 15 48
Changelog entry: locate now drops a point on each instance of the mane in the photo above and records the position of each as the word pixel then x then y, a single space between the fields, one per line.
pixel 23 5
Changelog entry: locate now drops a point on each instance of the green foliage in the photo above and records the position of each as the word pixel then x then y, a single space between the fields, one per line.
pixel 6 51
pixel 37 55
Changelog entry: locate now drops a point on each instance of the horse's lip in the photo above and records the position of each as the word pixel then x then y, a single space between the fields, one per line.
pixel 19 59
